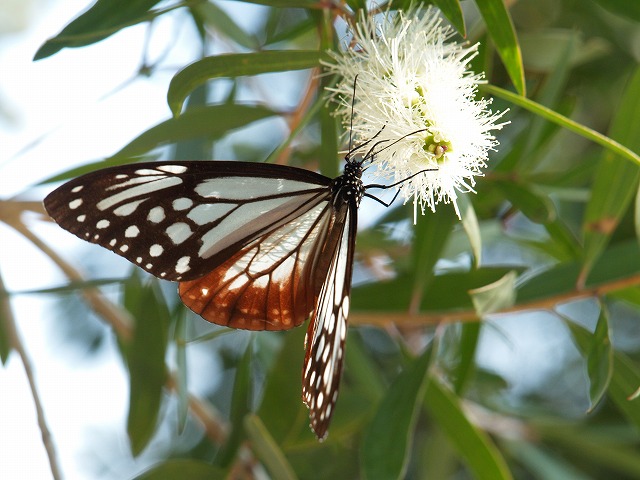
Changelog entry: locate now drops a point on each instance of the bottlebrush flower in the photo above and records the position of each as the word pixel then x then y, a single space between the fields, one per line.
pixel 412 78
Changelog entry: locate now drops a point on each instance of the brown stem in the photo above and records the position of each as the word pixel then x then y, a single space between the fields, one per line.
pixel 15 341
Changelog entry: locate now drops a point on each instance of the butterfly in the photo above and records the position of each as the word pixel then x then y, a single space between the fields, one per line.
pixel 253 246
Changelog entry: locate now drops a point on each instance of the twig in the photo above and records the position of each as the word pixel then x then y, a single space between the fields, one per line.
pixel 16 344
pixel 548 303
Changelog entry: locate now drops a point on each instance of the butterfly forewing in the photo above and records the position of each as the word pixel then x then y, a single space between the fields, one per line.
pixel 179 221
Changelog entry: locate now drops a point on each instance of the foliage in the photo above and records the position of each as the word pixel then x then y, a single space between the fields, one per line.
pixel 552 232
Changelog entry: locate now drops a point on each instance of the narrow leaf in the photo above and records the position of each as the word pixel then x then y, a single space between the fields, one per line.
pixel 471 228
pixel 179 469
pixel 495 297
pixel 267 450
pixel 145 357
pixel 625 8
pixel 625 377
pixel 240 407
pixel 563 121
pixel 6 320
pixel 616 180
pixel 103 19
pixel 474 446
pixel 385 448
pixel 281 403
pixel 453 11
pixel 217 18
pixel 208 122
pixel 500 27
pixel 235 65
pixel 600 360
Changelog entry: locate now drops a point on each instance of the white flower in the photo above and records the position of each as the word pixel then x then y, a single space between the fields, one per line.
pixel 414 91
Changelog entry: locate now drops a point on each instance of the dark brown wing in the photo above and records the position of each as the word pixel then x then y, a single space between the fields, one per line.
pixel 181 220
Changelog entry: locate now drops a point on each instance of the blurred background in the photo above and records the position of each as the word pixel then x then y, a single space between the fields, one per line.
pixel 509 387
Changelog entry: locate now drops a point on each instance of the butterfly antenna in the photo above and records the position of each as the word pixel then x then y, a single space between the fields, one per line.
pixel 353 103
pixel 358 147
pixel 372 151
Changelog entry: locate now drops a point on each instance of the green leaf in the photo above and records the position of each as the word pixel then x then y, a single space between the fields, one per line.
pixel 597 349
pixel 453 11
pixel 222 23
pixel 240 407
pixel 473 446
pixel 267 450
pixel 181 371
pixel 624 379
pixel 329 142
pixel 281 406
pixel 536 206
pixel 145 356
pixel 444 292
pixel 617 262
pixel 385 447
pixel 500 27
pixel 623 389
pixel 563 121
pixel 180 469
pixel 470 333
pixel 210 122
pixel 431 234
pixel 615 180
pixel 545 464
pixel 497 296
pixel 600 360
pixel 625 8
pixel 102 20
pixel 471 228
pixel 6 320
pixel 235 65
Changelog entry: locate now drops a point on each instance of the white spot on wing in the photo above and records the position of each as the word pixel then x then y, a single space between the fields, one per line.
pixel 103 224
pixel 238 188
pixel 182 203
pixel 209 212
pixel 128 208
pixel 131 232
pixel 156 215
pixel 178 232
pixel 183 265
pixel 173 168
pixel 73 204
pixel 77 189
pixel 124 248
pixel 147 171
pixel 81 218
pixel 144 189
pixel 155 250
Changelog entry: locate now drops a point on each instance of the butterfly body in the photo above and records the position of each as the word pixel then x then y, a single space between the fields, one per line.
pixel 253 246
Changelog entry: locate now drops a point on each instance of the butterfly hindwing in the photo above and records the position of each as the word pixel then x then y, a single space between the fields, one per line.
pixel 269 283
pixel 327 329
pixel 181 220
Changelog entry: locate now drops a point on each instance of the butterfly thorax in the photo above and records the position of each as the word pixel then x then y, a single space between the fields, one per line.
pixel 348 187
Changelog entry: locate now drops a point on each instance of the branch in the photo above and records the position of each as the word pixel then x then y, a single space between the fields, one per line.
pixel 16 344
pixel 383 319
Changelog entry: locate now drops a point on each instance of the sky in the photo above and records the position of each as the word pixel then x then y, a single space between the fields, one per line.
pixel 77 106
